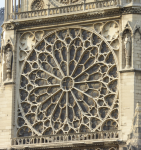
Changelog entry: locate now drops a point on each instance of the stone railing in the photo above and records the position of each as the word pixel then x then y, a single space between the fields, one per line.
pixel 78 137
pixel 84 7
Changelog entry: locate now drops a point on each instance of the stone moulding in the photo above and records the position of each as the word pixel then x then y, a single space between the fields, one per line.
pixel 59 20
pixel 84 7
pixel 80 138
pixel 93 146
pixel 68 18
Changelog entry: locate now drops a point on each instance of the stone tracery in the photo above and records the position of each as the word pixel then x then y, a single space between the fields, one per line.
pixel 37 5
pixel 68 85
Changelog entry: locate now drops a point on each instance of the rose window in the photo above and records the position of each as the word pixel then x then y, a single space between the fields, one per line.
pixel 68 85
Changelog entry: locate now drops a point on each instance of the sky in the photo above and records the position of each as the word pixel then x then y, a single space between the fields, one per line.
pixel 2 3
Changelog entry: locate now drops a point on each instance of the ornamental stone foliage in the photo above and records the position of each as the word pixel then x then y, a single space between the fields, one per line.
pixel 69 81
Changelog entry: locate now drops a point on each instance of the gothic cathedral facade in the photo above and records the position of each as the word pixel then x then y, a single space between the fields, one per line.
pixel 70 75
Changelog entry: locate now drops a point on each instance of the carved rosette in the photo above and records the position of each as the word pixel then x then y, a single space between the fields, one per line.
pixel 68 83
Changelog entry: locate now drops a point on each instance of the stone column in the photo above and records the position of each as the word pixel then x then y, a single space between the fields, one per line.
pixel 11 6
pixel 26 5
pixel 15 8
pixel 5 12
pixel 19 5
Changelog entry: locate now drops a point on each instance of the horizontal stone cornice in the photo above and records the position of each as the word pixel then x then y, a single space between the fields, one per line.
pixel 69 18
pixel 105 144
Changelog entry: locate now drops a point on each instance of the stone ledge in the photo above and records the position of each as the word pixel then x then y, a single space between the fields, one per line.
pixel 8 82
pixel 105 144
pixel 130 70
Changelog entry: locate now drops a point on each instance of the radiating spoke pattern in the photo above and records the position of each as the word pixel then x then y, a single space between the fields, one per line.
pixel 68 85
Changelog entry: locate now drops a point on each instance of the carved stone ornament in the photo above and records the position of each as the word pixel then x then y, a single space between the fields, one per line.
pixel 67 1
pixel 37 5
pixel 10 26
pixel 127 44
pixel 70 18
pixel 68 84
pixel 9 54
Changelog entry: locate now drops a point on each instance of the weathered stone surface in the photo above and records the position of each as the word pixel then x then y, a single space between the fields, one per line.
pixel 70 74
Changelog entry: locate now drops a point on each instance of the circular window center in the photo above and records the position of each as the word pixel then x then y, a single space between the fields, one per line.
pixel 67 83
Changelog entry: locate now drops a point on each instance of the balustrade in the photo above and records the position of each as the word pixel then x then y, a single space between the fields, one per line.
pixel 79 137
pixel 65 9
pixel 11 13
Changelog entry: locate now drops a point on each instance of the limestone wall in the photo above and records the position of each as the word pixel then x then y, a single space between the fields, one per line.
pixel 127 104
pixel 6 113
